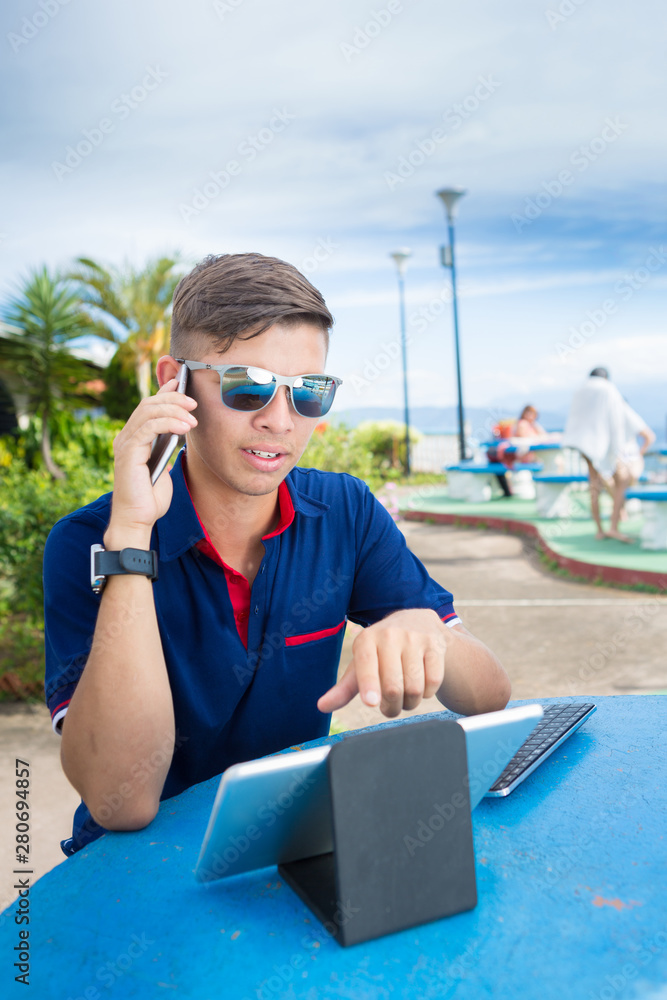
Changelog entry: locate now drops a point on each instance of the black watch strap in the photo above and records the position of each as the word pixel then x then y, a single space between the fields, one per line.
pixel 135 561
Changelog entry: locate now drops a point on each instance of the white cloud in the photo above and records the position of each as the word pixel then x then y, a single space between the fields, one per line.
pixel 99 351
pixel 640 358
pixel 323 177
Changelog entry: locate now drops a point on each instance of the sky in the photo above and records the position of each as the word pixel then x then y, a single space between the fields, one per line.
pixel 319 133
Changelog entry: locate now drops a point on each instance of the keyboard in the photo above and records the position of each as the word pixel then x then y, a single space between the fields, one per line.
pixel 558 722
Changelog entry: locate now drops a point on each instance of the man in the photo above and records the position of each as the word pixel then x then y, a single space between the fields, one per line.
pixel 232 652
pixel 604 428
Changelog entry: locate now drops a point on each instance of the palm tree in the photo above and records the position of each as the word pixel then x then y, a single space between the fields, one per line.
pixel 43 320
pixel 138 300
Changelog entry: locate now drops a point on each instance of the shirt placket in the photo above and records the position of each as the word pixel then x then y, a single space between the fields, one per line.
pixel 257 609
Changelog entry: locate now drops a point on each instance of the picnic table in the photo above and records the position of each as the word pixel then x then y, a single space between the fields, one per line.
pixel 653 500
pixel 552 456
pixel 477 482
pixel 570 880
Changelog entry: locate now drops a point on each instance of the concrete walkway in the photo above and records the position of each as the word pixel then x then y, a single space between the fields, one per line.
pixel 554 638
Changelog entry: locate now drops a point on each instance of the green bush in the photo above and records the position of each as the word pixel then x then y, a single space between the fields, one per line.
pixel 374 451
pixel 385 439
pixel 74 441
pixel 121 395
pixel 30 504
pixel 334 448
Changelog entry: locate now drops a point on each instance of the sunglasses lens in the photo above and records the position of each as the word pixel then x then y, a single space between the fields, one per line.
pixel 314 396
pixel 252 388
pixel 247 388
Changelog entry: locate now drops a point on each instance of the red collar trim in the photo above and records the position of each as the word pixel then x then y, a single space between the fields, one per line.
pixel 286 511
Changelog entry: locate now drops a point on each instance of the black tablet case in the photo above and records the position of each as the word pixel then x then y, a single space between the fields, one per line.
pixel 402 833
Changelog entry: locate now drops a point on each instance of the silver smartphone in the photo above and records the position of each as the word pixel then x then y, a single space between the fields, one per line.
pixel 164 444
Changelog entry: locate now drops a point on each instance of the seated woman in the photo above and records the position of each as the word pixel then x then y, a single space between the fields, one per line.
pixel 527 425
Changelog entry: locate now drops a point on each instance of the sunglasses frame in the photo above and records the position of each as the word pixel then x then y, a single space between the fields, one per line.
pixel 278 380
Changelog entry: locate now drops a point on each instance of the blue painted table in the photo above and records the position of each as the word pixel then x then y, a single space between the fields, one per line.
pixel 571 872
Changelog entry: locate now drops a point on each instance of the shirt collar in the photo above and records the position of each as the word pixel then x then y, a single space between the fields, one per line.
pixel 180 528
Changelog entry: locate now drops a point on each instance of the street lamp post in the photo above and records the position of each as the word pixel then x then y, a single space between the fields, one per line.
pixel 400 259
pixel 450 197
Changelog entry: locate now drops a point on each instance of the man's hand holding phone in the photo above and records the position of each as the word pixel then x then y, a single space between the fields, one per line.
pixel 164 444
pixel 137 501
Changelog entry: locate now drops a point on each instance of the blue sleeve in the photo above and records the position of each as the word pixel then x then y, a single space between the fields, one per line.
pixel 388 576
pixel 70 607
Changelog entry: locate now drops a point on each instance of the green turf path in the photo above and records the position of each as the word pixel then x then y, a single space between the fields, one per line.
pixel 572 537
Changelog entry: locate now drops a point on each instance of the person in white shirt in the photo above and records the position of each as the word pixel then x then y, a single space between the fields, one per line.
pixel 605 428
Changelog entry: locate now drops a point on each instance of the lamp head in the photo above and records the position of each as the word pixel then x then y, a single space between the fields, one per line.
pixel 450 197
pixel 400 258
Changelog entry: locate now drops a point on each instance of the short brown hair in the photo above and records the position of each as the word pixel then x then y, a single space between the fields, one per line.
pixel 242 295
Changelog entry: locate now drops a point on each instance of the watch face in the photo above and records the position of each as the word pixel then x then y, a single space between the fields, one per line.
pixel 97 580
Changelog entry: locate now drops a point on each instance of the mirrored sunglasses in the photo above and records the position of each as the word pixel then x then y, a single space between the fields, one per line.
pixel 245 387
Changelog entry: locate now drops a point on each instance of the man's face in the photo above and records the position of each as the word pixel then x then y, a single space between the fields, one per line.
pixel 220 449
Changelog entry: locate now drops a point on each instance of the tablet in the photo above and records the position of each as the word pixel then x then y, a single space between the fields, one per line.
pixel 277 809
pixel 491 742
pixel 268 811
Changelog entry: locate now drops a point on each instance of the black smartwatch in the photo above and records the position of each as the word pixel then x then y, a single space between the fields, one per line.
pixel 104 564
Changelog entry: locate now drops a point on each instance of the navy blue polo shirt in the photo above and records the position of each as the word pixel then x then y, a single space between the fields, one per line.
pixel 341 557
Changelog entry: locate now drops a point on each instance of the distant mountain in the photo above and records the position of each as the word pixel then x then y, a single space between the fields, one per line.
pixel 649 399
pixel 443 419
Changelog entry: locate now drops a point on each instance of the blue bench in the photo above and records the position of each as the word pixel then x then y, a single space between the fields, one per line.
pixel 549 453
pixel 654 513
pixel 476 482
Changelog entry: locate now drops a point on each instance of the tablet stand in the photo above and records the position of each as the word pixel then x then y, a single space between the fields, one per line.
pixel 402 833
